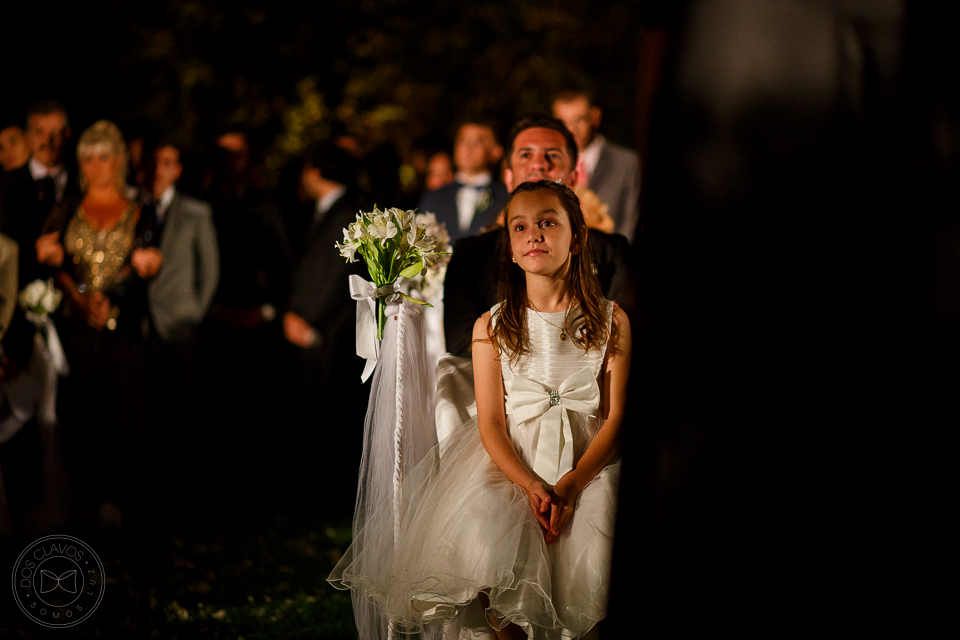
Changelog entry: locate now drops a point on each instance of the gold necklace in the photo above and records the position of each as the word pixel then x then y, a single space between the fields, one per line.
pixel 563 329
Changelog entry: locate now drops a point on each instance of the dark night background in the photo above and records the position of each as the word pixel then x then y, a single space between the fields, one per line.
pixel 796 331
pixel 291 73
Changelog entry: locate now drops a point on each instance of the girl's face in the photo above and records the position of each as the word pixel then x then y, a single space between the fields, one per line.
pixel 541 236
pixel 100 167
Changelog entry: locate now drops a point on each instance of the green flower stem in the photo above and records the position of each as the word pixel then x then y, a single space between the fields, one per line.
pixel 381 316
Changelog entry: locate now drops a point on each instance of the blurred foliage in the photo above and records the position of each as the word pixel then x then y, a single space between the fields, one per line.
pixel 292 74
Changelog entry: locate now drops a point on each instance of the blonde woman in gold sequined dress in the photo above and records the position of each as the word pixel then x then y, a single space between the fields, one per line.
pixel 103 255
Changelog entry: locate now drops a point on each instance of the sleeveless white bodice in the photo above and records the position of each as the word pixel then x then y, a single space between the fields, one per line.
pixel 553 395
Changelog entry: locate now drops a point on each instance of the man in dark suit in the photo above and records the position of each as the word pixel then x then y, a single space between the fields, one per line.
pixel 474 199
pixel 179 298
pixel 541 148
pixel 33 189
pixel 320 320
pixel 609 170
pixel 29 194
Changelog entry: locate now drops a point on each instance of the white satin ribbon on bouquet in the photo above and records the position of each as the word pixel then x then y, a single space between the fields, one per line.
pixel 34 392
pixel 366 294
pixel 56 357
pixel 528 400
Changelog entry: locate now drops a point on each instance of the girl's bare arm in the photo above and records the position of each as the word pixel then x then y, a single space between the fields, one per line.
pixel 492 420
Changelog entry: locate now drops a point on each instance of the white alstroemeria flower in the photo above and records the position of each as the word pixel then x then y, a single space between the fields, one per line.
pixel 385 230
pixel 353 233
pixel 426 243
pixel 50 299
pixel 405 218
pixel 412 234
pixel 376 228
pixel 434 229
pixel 349 247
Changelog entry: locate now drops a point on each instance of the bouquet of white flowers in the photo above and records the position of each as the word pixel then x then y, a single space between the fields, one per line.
pixel 394 244
pixel 39 299
pixel 34 392
pixel 429 282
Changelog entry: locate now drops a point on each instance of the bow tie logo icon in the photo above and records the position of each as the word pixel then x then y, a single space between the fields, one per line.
pixel 50 581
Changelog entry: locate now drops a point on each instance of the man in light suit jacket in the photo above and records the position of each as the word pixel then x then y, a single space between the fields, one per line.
pixel 609 170
pixel 476 196
pixel 179 297
pixel 181 293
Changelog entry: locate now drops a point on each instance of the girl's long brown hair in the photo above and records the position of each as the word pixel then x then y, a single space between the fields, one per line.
pixel 509 331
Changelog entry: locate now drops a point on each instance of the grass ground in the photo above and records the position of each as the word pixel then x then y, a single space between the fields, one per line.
pixel 260 578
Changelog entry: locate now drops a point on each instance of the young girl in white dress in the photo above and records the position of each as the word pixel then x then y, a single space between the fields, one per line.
pixel 510 531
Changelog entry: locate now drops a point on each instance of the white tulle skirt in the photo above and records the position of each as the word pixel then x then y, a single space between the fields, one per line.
pixel 467 529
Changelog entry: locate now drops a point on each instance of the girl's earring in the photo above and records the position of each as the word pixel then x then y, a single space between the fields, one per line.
pixel 514 258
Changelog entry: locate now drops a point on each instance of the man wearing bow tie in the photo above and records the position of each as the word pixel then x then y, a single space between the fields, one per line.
pixel 474 199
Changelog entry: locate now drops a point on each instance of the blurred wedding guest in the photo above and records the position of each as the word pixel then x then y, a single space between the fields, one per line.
pixel 477 195
pixel 254 254
pixel 40 184
pixel 14 149
pixel 8 283
pixel 540 148
pixel 9 423
pixel 321 317
pixel 8 295
pixel 179 298
pixel 243 353
pixel 611 171
pixel 137 177
pixel 104 253
pixel 296 207
pixel 26 200
pixel 8 303
pixel 439 171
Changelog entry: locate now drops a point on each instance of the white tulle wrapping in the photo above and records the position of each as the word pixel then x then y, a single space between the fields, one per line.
pixel 456 542
pixel 378 468
pixel 466 528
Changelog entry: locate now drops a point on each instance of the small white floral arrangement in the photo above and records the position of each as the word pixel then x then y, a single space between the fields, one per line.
pixel 429 282
pixel 393 244
pixel 39 299
pixel 482 202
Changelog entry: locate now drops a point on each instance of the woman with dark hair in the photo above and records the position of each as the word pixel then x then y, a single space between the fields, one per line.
pixel 104 252
pixel 511 529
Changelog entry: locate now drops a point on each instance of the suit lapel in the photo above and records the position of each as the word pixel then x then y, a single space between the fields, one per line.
pixel 171 224
pixel 604 168
pixel 451 212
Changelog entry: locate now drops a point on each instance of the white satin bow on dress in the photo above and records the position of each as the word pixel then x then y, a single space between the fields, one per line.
pixel 528 400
